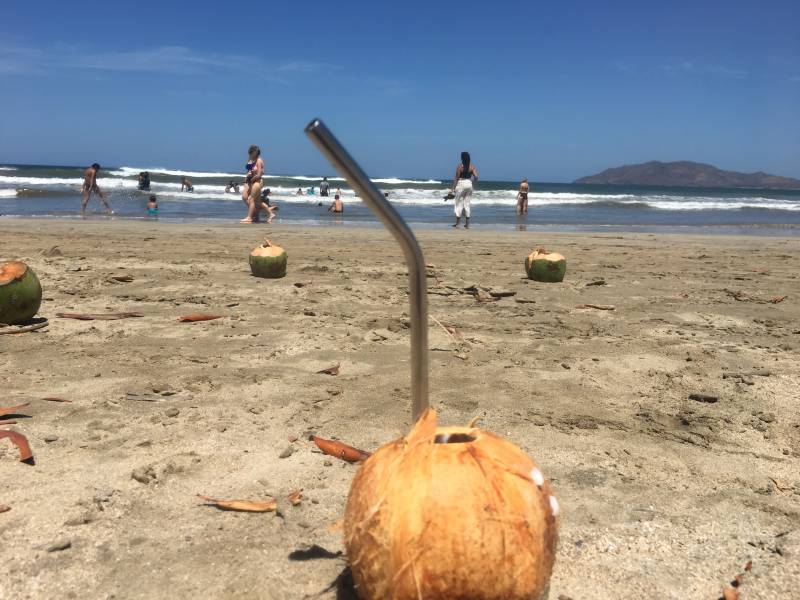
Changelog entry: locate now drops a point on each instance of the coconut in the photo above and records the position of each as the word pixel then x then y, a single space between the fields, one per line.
pixel 545 266
pixel 268 261
pixel 20 293
pixel 449 513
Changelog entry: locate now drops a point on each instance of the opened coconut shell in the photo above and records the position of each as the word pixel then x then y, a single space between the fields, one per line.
pixel 449 513
pixel 549 267
pixel 268 261
pixel 20 293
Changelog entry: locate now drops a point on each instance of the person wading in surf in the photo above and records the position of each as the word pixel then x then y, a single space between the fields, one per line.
pixel 90 185
pixel 466 173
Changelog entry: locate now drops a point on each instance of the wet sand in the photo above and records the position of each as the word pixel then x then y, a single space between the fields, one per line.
pixel 662 496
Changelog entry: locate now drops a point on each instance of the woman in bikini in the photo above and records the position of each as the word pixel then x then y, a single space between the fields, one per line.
pixel 251 194
pixel 522 197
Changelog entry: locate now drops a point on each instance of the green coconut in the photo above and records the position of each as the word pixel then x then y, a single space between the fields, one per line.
pixel 549 267
pixel 20 293
pixel 268 261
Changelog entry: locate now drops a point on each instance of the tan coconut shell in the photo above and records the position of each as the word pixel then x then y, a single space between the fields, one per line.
pixel 450 513
pixel 268 249
pixel 12 271
pixel 540 253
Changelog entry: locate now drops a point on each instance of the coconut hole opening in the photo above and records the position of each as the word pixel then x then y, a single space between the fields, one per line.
pixel 454 438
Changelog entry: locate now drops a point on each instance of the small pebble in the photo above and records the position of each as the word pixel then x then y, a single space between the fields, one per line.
pixel 288 451
pixel 327 463
pixel 50 438
pixel 172 412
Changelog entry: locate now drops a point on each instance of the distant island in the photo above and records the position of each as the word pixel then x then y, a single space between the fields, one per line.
pixel 687 174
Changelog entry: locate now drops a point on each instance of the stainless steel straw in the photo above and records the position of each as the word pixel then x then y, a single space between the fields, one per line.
pixel 417 284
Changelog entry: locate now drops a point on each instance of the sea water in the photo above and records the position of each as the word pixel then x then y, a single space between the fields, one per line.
pixel 53 191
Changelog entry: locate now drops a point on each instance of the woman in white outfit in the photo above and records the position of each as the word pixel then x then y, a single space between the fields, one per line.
pixel 466 173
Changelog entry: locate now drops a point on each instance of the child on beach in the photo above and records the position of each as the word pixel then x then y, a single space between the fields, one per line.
pixel 152 207
pixel 337 206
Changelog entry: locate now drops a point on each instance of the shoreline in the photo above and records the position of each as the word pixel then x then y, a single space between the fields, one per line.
pixel 789 231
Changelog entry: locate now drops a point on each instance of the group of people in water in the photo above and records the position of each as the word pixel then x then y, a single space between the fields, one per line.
pixel 256 198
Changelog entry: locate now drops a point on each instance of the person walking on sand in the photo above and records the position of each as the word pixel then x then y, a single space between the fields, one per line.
pixel 466 173
pixel 252 185
pixel 522 197
pixel 90 185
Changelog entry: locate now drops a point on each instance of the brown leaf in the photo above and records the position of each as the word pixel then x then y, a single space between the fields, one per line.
pixel 340 450
pixel 100 316
pixel 597 306
pixel 296 497
pixel 56 399
pixel 334 370
pixel 730 593
pixel 10 410
pixel 777 299
pixel 20 441
pixel 4 508
pixel 198 317
pixel 241 505
pixel 25 329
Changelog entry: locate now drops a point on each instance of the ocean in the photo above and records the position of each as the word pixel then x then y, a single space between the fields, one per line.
pixel 53 191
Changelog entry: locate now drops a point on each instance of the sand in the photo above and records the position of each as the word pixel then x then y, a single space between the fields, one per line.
pixel 662 496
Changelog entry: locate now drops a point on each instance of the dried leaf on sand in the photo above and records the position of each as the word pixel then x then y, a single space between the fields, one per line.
pixel 334 370
pixel 597 306
pixel 20 441
pixel 777 299
pixel 296 497
pixel 340 450
pixel 4 508
pixel 193 318
pixel 57 399
pixel 241 505
pixel 100 316
pixel 11 410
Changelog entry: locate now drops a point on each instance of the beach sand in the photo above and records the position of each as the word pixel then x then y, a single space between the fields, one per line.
pixel 661 496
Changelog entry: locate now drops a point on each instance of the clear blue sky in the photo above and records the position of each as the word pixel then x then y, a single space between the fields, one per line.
pixel 548 90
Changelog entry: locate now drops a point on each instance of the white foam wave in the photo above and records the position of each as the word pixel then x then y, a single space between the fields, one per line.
pixel 134 172
pixel 8 168
pixel 8 193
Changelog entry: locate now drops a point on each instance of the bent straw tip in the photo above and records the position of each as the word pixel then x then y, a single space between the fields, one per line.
pixel 313 124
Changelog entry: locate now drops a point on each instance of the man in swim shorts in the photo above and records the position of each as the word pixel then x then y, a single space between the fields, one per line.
pixel 324 186
pixel 90 185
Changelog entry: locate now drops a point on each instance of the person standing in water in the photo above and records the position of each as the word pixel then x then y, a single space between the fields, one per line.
pixel 152 206
pixel 186 184
pixel 252 185
pixel 324 186
pixel 144 181
pixel 90 185
pixel 522 197
pixel 466 173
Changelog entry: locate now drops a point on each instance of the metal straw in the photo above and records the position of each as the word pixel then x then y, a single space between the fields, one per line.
pixel 417 284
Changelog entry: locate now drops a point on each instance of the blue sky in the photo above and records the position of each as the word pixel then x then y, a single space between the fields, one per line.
pixel 547 90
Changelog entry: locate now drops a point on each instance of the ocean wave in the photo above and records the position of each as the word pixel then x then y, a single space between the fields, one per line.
pixel 8 193
pixel 134 172
pixel 8 168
